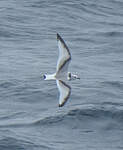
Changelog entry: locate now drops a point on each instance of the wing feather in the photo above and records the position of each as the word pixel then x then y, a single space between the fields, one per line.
pixel 64 56
pixel 64 91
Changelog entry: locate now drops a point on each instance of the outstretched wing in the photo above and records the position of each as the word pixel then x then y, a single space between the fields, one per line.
pixel 64 56
pixel 64 91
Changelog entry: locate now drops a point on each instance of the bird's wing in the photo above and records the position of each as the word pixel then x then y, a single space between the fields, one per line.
pixel 64 91
pixel 64 56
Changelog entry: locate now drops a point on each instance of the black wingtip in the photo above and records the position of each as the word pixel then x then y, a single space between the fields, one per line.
pixel 58 36
pixel 60 105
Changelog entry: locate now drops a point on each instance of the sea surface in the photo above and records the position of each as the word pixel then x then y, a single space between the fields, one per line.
pixel 30 118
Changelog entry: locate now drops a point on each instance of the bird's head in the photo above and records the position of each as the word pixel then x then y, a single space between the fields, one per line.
pixel 69 76
pixel 43 76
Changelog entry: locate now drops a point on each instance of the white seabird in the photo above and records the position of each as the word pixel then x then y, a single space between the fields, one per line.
pixel 62 72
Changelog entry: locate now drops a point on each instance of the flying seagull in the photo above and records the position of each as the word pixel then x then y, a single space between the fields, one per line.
pixel 62 72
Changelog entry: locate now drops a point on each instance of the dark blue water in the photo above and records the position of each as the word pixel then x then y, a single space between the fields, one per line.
pixel 30 119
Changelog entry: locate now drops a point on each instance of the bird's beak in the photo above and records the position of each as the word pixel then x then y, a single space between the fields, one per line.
pixel 42 76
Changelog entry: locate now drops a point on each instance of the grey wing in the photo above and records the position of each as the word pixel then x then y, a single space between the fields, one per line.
pixel 64 91
pixel 64 56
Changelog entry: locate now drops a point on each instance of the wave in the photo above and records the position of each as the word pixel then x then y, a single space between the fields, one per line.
pixel 104 116
pixel 110 34
pixel 6 84
pixel 86 113
pixel 114 84
pixel 14 144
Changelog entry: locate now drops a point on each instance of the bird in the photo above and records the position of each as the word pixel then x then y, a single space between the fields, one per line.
pixel 62 74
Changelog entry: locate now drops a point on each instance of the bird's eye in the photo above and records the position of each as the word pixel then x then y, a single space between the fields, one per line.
pixel 69 75
pixel 44 76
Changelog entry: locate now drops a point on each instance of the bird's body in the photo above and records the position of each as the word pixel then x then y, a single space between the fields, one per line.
pixel 64 76
pixel 62 73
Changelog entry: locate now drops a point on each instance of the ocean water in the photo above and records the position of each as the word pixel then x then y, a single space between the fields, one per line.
pixel 30 118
